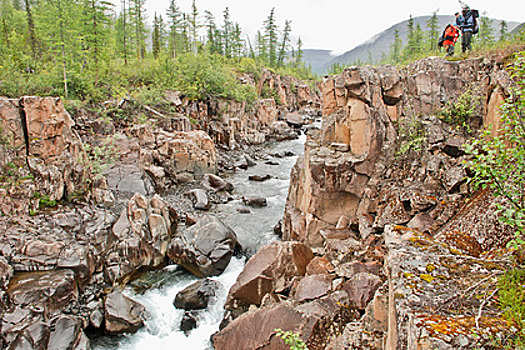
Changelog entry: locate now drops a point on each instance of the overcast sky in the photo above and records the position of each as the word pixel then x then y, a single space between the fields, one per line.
pixel 337 25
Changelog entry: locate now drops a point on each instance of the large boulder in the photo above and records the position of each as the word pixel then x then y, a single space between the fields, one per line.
pixel 270 270
pixel 139 238
pixel 61 332
pixel 191 152
pixel 197 295
pixel 45 290
pixel 204 249
pixel 315 321
pixel 122 314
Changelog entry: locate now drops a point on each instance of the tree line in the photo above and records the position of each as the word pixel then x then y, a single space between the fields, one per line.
pixel 75 46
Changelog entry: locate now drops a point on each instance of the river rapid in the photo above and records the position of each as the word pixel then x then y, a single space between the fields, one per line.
pixel 253 229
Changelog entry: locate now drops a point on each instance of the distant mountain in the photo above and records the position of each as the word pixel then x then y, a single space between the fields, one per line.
pixel 317 59
pixel 372 50
pixel 518 29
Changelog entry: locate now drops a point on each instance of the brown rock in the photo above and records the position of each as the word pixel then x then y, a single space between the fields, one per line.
pixel 421 222
pixel 271 269
pixel 197 295
pixel 204 249
pixel 122 314
pixel 319 266
pixel 361 288
pixel 139 238
pixel 313 287
pixel 47 290
pixel 316 322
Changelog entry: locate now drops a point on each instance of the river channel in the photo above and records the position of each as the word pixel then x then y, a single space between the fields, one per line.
pixel 253 229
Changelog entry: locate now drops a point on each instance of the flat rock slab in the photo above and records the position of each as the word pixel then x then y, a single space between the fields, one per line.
pixel 436 293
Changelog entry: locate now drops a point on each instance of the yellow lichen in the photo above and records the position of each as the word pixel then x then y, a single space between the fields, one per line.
pixel 426 277
pixel 430 268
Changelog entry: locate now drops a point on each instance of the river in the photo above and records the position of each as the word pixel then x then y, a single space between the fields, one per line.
pixel 254 229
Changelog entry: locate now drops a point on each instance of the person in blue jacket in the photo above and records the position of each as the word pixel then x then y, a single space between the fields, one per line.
pixel 466 22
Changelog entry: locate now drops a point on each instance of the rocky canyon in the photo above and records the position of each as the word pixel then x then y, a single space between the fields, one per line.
pixel 384 242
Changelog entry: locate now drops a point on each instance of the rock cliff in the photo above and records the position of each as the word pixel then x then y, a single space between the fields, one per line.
pixel 381 198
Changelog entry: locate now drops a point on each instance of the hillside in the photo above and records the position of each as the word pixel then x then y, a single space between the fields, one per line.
pixel 317 59
pixel 373 48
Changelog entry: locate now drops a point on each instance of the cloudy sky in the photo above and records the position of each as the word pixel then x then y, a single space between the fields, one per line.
pixel 337 25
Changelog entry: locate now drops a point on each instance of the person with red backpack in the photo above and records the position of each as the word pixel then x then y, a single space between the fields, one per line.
pixel 468 25
pixel 449 38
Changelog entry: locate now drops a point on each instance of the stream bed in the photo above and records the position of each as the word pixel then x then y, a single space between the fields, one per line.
pixel 253 229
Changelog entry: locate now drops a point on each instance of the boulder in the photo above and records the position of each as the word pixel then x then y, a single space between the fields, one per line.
pixel 422 222
pixel 216 183
pixel 122 314
pixel 361 288
pixel 197 295
pixel 188 322
pixel 312 287
pixel 270 270
pixel 66 332
pixel 315 321
pixel 45 290
pixel 319 266
pixel 129 178
pixel 204 249
pixel 191 152
pixel 295 120
pixel 259 178
pixel 200 199
pixel 139 238
pixel 61 332
pixel 257 202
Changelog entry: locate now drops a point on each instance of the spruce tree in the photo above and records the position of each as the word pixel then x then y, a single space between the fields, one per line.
pixel 175 22
pixel 396 48
pixel 284 43
pixel 503 31
pixel 270 33
pixel 194 27
pixel 156 36
pixel 299 53
pixel 433 32
pixel 137 16
pixel 227 29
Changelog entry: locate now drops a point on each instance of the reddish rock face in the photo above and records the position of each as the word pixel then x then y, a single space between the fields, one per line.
pixel 271 269
pixel 342 170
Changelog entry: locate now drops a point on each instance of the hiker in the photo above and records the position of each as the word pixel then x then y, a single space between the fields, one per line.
pixel 450 36
pixel 467 22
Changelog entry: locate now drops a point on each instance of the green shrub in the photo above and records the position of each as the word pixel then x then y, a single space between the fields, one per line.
pixel 292 339
pixel 460 111
pixel 411 135
pixel 498 162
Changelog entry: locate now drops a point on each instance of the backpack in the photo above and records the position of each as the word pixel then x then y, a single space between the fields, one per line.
pixel 441 39
pixel 475 16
